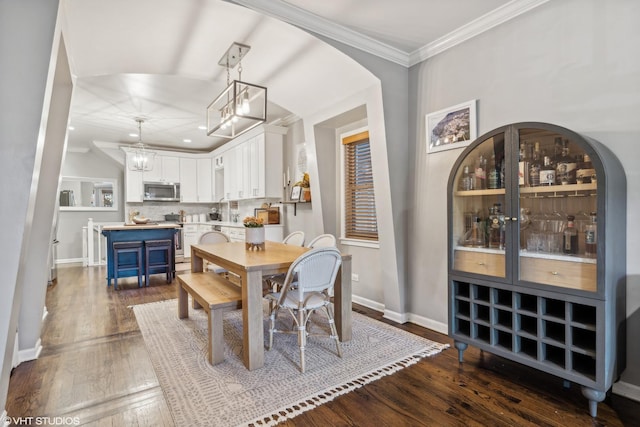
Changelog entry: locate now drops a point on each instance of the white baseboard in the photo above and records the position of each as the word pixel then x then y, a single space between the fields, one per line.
pixel 71 261
pixel 368 303
pixel 15 360
pixel 425 322
pixel 30 353
pixel 395 316
pixel 627 390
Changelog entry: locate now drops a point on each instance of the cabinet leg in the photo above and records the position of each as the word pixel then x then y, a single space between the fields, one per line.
pixel 461 346
pixel 594 397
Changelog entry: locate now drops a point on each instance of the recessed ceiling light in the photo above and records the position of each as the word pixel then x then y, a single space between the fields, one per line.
pixel 133 134
pixel 186 140
pixel 202 127
pixel 71 128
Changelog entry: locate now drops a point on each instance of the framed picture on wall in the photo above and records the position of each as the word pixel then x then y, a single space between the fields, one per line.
pixel 452 127
pixel 295 193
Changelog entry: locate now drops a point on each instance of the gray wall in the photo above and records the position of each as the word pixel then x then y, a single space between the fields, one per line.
pixel 582 73
pixel 24 86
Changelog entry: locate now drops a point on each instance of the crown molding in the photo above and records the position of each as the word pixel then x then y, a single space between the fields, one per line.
pixel 310 22
pixel 319 25
pixel 478 26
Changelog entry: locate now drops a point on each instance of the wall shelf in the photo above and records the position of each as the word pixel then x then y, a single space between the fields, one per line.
pixel 295 204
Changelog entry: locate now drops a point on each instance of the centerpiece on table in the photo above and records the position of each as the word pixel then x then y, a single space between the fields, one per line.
pixel 254 233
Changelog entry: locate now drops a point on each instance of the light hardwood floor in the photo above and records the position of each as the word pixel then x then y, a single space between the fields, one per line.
pixel 94 366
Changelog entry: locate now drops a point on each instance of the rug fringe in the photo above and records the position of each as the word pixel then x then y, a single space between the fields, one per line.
pixel 311 402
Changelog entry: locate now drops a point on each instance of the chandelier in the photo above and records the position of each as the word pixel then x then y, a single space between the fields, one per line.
pixel 241 106
pixel 142 159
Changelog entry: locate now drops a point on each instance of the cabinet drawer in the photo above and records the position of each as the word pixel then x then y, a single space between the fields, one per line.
pixel 566 274
pixel 491 264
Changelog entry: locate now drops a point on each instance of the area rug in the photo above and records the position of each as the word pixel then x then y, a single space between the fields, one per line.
pixel 227 394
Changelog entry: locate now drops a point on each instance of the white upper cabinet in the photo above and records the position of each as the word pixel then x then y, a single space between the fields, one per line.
pixel 205 180
pixel 165 169
pixel 133 182
pixel 188 180
pixel 253 167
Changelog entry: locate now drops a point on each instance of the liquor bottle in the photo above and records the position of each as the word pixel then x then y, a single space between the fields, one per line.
pixel 548 172
pixel 493 175
pixel 566 167
pixel 523 164
pixel 570 240
pixel 496 227
pixel 481 173
pixel 585 170
pixel 465 180
pixel 535 166
pixel 591 237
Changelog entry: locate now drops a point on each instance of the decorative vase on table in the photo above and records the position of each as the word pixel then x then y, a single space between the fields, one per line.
pixel 254 233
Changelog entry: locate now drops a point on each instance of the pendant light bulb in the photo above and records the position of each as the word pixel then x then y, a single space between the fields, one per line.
pixel 246 107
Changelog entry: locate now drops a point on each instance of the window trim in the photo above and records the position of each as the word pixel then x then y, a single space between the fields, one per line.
pixel 344 139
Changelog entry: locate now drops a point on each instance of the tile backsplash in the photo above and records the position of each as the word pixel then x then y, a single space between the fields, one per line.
pixel 157 210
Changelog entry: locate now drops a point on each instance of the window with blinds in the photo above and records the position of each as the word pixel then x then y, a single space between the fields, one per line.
pixel 360 203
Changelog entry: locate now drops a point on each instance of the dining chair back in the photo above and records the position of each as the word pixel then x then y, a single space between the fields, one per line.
pixel 323 241
pixel 306 288
pixel 295 238
pixel 211 237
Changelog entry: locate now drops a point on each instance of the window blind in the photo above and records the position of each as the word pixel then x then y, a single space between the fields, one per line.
pixel 360 207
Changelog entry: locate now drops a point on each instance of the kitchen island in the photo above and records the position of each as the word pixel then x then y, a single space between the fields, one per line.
pixel 139 233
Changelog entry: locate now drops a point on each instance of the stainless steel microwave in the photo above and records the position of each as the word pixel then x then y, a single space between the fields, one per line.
pixel 161 192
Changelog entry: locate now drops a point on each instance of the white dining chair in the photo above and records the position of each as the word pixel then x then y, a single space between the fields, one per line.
pixel 273 282
pixel 306 288
pixel 294 238
pixel 214 237
pixel 323 241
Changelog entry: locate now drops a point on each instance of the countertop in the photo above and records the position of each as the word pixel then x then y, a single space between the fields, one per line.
pixel 152 226
pixel 226 224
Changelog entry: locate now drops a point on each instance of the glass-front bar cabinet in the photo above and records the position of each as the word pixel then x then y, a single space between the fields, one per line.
pixel 537 244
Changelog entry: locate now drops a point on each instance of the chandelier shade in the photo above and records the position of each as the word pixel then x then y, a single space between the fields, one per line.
pixel 241 106
pixel 141 159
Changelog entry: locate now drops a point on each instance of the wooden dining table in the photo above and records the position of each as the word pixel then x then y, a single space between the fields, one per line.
pixel 251 266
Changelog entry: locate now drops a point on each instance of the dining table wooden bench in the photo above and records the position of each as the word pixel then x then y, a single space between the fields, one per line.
pixel 214 294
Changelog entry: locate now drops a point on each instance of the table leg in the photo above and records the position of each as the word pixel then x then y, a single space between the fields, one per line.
pixel 183 303
pixel 252 319
pixel 342 300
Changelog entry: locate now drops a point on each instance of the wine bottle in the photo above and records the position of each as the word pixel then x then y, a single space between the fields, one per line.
pixel 535 166
pixel 570 240
pixel 591 237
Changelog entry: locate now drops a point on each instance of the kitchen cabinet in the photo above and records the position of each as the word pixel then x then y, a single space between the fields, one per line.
pixel 188 180
pixel 520 285
pixel 190 236
pixel 205 180
pixel 253 166
pixel 134 190
pixel 165 169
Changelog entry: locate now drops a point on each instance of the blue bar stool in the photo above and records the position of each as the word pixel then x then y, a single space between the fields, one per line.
pixel 127 263
pixel 163 261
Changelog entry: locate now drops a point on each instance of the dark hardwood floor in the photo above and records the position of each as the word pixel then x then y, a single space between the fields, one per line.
pixel 94 366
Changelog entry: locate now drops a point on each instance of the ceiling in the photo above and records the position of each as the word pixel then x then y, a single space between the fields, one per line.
pixel 158 59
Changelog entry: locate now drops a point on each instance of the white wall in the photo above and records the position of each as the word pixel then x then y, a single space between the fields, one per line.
pixel 573 63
